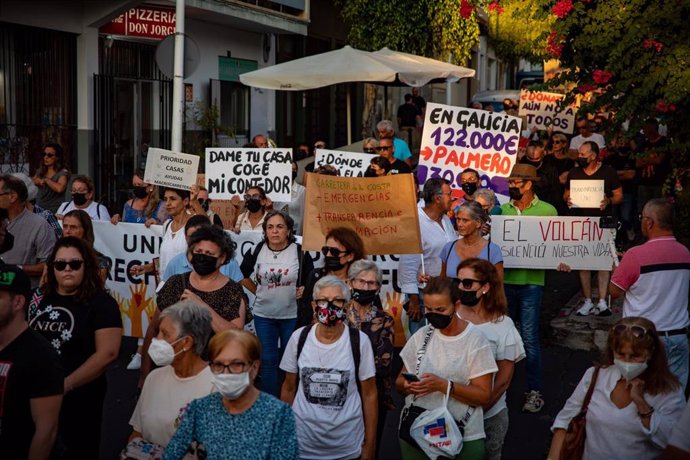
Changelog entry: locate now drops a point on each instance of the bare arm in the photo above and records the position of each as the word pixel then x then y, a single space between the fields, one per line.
pixel 249 284
pixel 615 291
pixel 289 388
pixel 240 321
pixel 34 269
pixel 499 270
pixel 107 348
pixel 627 174
pixel 45 413
pixel 151 332
pixel 57 186
pixel 617 197
pixel 370 408
pixel 556 444
pixel 502 381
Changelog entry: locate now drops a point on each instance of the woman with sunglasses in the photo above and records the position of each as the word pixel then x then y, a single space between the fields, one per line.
pixel 447 355
pixel 369 145
pixel 82 322
pixel 51 178
pixel 635 402
pixel 78 223
pixel 272 272
pixel 256 204
pixel 146 207
pixel 362 313
pixel 470 218
pixel 238 421
pixel 483 303
pixel 343 247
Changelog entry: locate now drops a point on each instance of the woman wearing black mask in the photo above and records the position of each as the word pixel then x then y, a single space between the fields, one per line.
pixel 365 282
pixel 82 198
pixel 483 303
pixel 449 354
pixel 343 247
pixel 209 248
pixel 146 207
pixel 256 204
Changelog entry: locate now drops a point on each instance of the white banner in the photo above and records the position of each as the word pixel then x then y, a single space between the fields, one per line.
pixel 233 171
pixel 350 164
pixel 171 169
pixel 545 242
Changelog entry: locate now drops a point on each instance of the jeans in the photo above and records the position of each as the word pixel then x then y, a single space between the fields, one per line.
pixel 495 428
pixel 269 330
pixel 414 326
pixel 524 305
pixel 677 355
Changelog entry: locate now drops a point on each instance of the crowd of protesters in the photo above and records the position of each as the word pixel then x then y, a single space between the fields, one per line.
pixel 305 369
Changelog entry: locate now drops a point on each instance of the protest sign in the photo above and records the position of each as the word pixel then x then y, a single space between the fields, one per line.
pixel 544 110
pixel 456 138
pixel 586 193
pixel 170 169
pixel 545 242
pixel 223 208
pixel 128 245
pixel 233 171
pixel 350 164
pixel 382 210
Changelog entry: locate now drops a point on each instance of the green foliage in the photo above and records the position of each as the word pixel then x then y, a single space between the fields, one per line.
pixel 520 31
pixel 204 119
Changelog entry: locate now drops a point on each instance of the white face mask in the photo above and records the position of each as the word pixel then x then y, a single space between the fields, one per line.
pixel 231 386
pixel 162 352
pixel 629 370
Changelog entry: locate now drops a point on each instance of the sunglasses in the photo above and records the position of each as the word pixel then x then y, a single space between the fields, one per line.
pixel 49 155
pixel 467 283
pixel 60 265
pixel 333 251
pixel 248 197
pixel 557 142
pixel 635 330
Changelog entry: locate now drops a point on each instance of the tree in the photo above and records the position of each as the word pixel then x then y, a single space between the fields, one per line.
pixel 518 29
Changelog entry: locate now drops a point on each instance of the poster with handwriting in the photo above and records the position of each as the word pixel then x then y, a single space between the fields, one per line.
pixel 171 169
pixel 586 193
pixel 349 164
pixel 543 111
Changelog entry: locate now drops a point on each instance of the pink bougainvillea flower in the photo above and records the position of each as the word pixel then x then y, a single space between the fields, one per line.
pixel 661 106
pixel 658 46
pixel 583 89
pixel 672 108
pixel 466 9
pixel 648 43
pixel 496 6
pixel 601 77
pixel 562 8
pixel 553 45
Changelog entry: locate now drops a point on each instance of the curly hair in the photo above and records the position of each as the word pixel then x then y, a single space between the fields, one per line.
pixel 216 236
pixel 91 284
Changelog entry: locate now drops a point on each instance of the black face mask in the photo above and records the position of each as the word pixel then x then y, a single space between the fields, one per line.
pixel 332 263
pixel 583 162
pixel 7 243
pixel 514 193
pixel 533 162
pixel 439 320
pixel 253 205
pixel 79 199
pixel 140 192
pixel 469 188
pixel 294 175
pixel 204 204
pixel 469 298
pixel 203 264
pixel 364 296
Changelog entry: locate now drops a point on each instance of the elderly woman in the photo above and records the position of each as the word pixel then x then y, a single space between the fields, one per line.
pixel 330 381
pixel 470 219
pixel 183 333
pixel 362 313
pixel 369 145
pixel 487 199
pixel 635 400
pixel 238 421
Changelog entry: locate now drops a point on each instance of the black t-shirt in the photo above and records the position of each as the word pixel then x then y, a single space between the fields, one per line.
pixel 70 324
pixel 660 171
pixel 29 368
pixel 408 115
pixel 400 167
pixel 420 102
pixel 547 188
pixel 611 183
pixel 621 161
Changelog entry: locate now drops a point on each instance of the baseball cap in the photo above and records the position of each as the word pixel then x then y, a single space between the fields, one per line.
pixel 13 279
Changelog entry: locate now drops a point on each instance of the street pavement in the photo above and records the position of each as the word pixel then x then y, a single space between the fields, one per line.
pixel 528 435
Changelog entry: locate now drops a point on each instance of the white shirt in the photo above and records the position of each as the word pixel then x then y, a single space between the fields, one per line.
pixel 434 237
pixel 614 433
pixel 162 400
pixel 173 243
pixel 578 140
pixel 243 222
pixel 506 344
pixel 276 275
pixel 680 437
pixel 295 207
pixel 458 358
pixel 95 210
pixel 327 406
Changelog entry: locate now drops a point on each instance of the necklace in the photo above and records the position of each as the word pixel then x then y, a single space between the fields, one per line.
pixel 275 253
pixel 469 245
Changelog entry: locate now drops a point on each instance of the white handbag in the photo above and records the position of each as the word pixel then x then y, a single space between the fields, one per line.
pixel 436 432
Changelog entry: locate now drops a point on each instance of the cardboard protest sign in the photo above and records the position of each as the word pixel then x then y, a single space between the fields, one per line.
pixel 170 169
pixel 545 242
pixel 586 193
pixel 456 138
pixel 382 210
pixel 223 208
pixel 543 111
pixel 350 164
pixel 233 171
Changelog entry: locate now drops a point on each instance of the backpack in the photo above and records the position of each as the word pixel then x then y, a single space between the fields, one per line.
pixel 354 345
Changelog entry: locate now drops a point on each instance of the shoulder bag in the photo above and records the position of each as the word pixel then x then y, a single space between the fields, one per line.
pixel 574 443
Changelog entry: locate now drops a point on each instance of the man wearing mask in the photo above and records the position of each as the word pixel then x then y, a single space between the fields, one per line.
pixel 548 187
pixel 436 230
pixel 590 168
pixel 524 286
pixel 33 236
pixel 82 198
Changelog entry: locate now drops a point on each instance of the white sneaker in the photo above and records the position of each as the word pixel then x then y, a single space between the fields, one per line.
pixel 602 309
pixel 586 308
pixel 135 362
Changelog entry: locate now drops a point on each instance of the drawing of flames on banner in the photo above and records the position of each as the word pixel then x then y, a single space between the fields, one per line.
pixel 134 308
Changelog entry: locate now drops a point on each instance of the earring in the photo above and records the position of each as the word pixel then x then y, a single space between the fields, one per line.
pixel 483 292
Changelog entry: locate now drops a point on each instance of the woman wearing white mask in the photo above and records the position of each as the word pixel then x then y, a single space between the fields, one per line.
pixel 239 421
pixel 182 336
pixel 635 400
